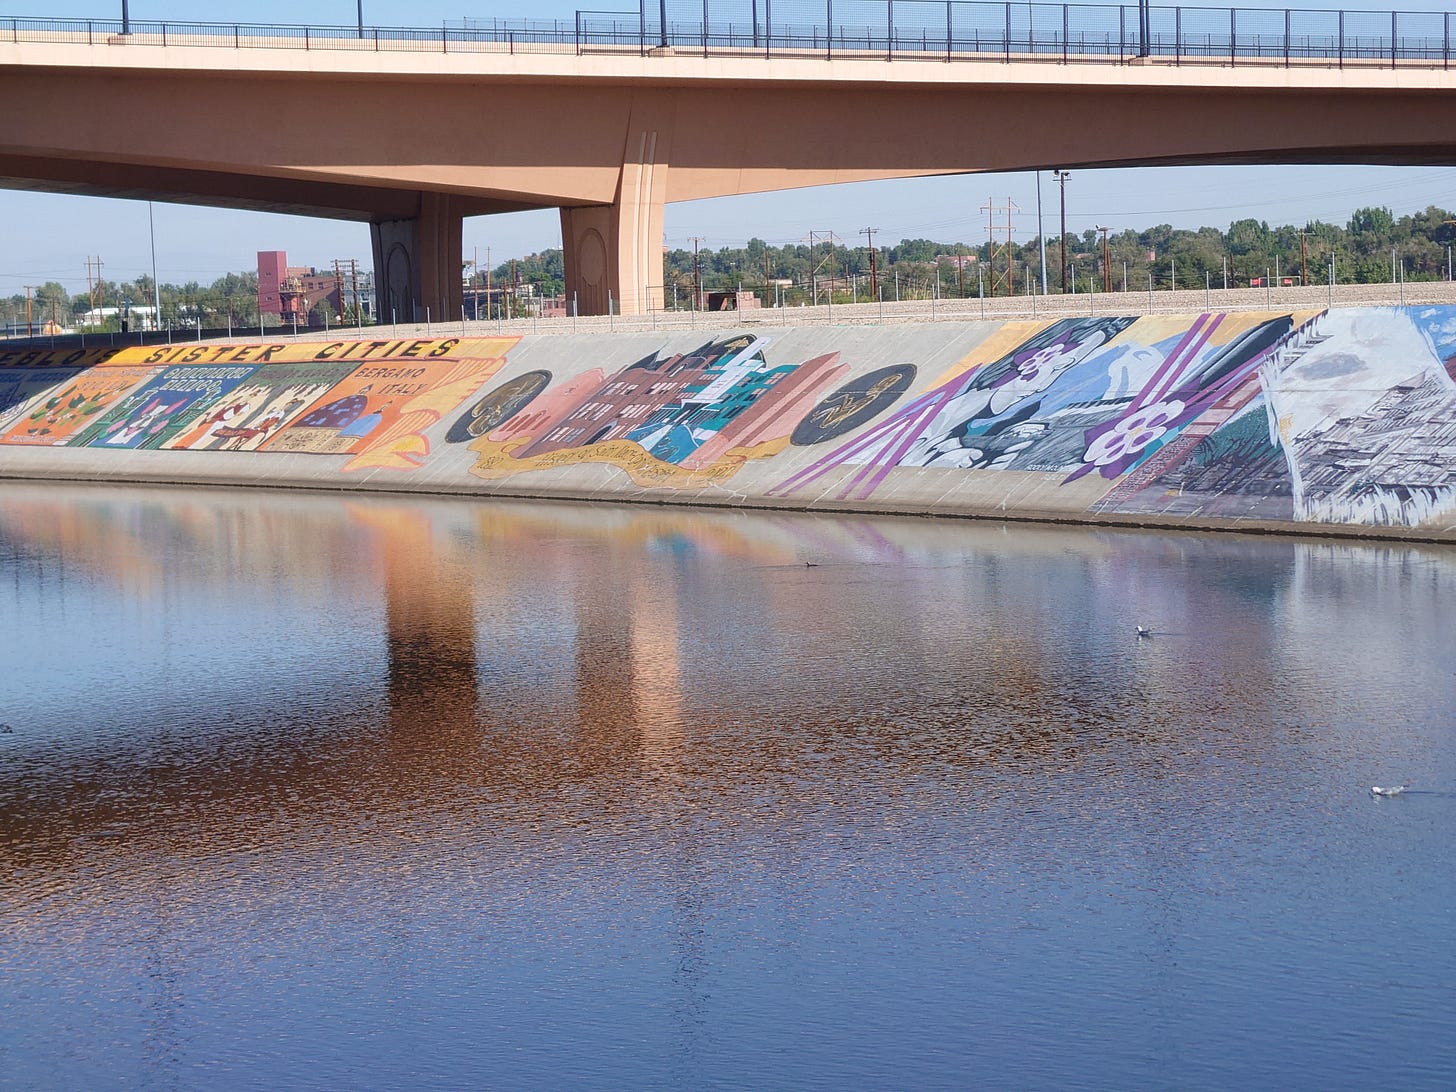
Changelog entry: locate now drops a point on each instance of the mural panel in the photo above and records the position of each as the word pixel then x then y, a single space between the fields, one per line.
pixel 1076 397
pixel 18 386
pixel 498 407
pixel 156 411
pixel 270 398
pixel 53 418
pixel 668 420
pixel 854 404
pixel 1365 408
pixel 380 411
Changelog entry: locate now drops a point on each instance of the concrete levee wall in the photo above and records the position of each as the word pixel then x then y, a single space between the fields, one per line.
pixel 1317 420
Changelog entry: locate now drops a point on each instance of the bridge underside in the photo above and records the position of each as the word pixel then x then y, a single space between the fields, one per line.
pixel 414 156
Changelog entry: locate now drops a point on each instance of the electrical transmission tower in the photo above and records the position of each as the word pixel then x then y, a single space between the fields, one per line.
pixel 1003 254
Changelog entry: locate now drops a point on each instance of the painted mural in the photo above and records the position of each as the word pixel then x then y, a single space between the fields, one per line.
pixel 153 413
pixel 19 385
pixel 1328 417
pixel 857 402
pixel 379 412
pixel 260 405
pixel 668 419
pixel 370 400
pixel 56 413
pixel 498 407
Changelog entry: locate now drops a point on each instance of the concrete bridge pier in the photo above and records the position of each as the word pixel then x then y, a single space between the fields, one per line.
pixel 613 253
pixel 417 262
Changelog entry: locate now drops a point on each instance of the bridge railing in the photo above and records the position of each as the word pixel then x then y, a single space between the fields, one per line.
pixel 892 30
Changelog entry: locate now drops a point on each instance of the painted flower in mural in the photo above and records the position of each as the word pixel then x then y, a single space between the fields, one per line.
pixel 1133 433
pixel 1049 358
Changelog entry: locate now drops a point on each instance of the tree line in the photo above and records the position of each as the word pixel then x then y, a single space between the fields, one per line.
pixel 1374 246
pixel 230 300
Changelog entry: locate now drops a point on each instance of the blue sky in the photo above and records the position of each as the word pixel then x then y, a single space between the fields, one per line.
pixel 49 237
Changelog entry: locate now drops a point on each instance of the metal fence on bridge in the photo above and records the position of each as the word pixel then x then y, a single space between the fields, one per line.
pixel 892 30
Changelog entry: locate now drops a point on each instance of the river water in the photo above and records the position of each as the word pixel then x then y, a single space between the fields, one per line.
pixel 299 790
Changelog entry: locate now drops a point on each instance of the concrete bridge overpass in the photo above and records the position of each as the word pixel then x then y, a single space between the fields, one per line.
pixel 414 141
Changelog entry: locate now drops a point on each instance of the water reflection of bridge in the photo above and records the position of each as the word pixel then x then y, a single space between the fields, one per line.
pixel 547 664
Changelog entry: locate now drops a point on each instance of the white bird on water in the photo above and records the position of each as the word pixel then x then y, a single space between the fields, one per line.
pixel 1389 790
pixel 1143 631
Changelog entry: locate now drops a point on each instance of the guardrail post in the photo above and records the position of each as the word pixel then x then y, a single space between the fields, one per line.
pixel 829 29
pixel 237 38
pixel 1177 36
pixel 1065 34
pixel 89 32
pixel 1008 33
pixel 705 29
pixel 767 29
pixel 444 40
pixel 1342 38
pixel 1233 36
pixel 578 34
pixel 1286 37
pixel 889 30
pixel 1122 32
pixel 1394 23
pixel 949 33
pixel 1446 44
pixel 306 45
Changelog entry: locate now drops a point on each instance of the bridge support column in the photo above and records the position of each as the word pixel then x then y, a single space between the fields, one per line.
pixel 613 253
pixel 417 263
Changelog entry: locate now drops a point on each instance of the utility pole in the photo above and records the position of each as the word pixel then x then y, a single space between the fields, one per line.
pixel 1041 234
pixel 1061 179
pixel 869 234
pixel 93 284
pixel 1303 258
pixel 697 276
pixel 29 288
pixel 814 270
pixel 1106 262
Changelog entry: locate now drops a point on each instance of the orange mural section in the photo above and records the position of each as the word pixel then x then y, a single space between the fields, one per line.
pixel 380 411
pixel 53 417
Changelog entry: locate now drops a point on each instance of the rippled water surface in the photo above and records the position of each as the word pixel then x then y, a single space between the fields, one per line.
pixel 302 791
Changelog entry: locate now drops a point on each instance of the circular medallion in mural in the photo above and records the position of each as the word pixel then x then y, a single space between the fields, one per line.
pixel 498 406
pixel 853 404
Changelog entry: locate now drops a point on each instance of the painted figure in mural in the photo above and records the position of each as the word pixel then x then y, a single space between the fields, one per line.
pixel 365 424
pixel 339 413
pixel 146 422
pixel 1003 394
pixel 1188 381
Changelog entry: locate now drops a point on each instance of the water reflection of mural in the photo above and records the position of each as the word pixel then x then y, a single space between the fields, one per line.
pixel 1339 417
pixel 669 418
